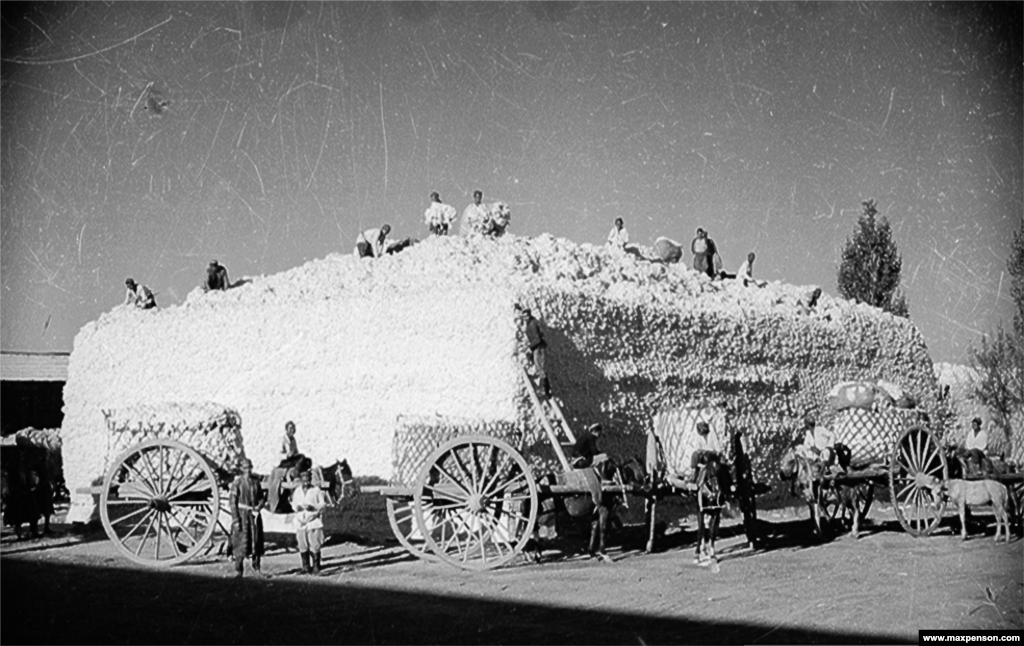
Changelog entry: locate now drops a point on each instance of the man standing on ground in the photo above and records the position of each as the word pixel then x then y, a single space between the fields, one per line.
pixel 538 349
pixel 245 501
pixel 309 503
pixel 139 295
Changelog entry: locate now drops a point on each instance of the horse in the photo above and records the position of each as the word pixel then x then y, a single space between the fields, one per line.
pixel 806 482
pixel 714 480
pixel 597 504
pixel 340 482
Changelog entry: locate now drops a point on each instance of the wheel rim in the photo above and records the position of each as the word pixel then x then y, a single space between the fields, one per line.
pixel 159 503
pixel 402 516
pixel 476 503
pixel 917 464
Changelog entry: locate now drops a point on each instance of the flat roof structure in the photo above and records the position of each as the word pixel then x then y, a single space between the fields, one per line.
pixel 34 366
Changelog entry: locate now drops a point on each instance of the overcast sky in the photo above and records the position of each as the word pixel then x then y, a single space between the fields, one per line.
pixel 146 138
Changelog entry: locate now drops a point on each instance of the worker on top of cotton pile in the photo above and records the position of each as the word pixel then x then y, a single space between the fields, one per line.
pixel 745 274
pixel 705 254
pixel 216 277
pixel 498 216
pixel 475 215
pixel 372 243
pixel 139 295
pixel 618 237
pixel 439 215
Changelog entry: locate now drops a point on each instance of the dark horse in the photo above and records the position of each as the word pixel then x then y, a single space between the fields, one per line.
pixel 714 480
pixel 604 483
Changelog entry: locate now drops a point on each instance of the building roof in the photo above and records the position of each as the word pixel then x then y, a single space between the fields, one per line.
pixel 34 366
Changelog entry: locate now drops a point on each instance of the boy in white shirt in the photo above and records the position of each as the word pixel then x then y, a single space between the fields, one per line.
pixel 309 503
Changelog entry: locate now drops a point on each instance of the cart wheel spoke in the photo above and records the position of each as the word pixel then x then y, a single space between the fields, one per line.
pixel 166 490
pixel 917 463
pixel 402 518
pixel 488 525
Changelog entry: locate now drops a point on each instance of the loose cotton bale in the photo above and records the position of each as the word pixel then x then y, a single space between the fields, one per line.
pixel 416 437
pixel 667 250
pixel 212 430
pixel 853 394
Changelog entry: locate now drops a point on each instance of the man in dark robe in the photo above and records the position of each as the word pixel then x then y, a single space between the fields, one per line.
pixel 246 500
pixel 538 350
pixel 216 277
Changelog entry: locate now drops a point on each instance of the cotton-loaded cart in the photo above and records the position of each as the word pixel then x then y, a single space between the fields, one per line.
pixel 163 498
pixel 891 447
pixel 671 442
pixel 474 501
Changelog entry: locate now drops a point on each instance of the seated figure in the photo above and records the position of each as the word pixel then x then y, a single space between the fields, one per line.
pixel 705 445
pixel 819 446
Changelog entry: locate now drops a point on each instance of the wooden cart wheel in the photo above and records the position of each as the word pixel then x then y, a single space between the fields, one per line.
pixel 1017 493
pixel 402 516
pixel 918 464
pixel 159 503
pixel 476 503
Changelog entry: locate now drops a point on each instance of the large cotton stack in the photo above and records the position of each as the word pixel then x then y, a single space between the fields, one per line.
pixel 344 346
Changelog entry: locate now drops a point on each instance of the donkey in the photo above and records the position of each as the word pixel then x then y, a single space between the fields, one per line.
pixel 598 504
pixel 803 483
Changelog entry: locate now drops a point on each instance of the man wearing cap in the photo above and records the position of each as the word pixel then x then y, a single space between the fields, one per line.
pixel 705 444
pixel 245 502
pixel 586 450
pixel 538 349
pixel 309 503
pixel 216 277
pixel 372 243
pixel 139 295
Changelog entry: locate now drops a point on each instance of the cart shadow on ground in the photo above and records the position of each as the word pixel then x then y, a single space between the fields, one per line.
pixel 88 604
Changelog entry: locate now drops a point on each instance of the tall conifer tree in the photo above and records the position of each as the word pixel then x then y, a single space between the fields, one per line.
pixel 870 269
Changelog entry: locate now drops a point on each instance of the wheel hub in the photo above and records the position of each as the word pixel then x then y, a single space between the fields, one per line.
pixel 477 503
pixel 160 504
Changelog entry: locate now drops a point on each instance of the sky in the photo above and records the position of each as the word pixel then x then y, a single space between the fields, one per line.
pixel 144 139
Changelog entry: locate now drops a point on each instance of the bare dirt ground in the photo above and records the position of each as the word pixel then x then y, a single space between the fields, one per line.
pixel 882 588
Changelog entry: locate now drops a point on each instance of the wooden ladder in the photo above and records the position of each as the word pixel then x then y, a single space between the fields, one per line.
pixel 552 419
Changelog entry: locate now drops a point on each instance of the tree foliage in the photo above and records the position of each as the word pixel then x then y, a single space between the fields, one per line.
pixel 1000 359
pixel 870 269
pixel 1015 266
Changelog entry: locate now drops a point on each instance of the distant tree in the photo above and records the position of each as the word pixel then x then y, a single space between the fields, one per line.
pixel 1015 265
pixel 1000 359
pixel 870 269
pixel 1000 365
